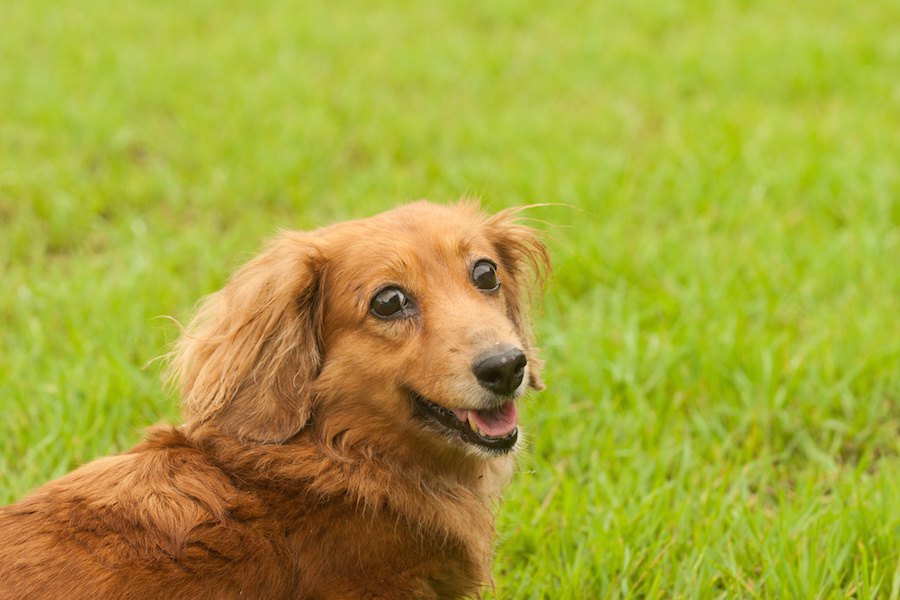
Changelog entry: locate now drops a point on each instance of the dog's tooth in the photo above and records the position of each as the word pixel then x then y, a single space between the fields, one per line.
pixel 473 424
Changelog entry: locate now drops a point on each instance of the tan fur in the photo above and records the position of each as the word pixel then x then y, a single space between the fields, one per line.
pixel 301 471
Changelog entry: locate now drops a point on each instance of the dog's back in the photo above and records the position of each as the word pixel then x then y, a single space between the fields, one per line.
pixel 159 521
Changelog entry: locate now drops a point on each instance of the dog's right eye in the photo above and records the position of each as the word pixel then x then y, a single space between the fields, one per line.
pixel 390 303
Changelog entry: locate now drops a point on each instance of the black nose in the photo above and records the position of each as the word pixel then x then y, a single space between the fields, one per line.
pixel 502 372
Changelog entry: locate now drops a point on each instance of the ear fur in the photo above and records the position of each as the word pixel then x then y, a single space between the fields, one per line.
pixel 248 358
pixel 525 257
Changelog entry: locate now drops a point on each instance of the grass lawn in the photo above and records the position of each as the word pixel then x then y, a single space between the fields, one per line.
pixel 722 334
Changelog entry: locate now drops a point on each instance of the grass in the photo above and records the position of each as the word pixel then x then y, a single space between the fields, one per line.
pixel 722 334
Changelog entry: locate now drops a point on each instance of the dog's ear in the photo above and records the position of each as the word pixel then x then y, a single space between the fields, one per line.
pixel 525 258
pixel 247 360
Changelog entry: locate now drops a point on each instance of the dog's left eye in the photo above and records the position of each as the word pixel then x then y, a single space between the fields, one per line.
pixel 484 276
pixel 390 303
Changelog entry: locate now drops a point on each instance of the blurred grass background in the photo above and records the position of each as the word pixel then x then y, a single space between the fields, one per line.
pixel 722 335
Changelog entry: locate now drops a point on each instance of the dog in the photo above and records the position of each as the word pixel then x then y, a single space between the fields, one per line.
pixel 350 403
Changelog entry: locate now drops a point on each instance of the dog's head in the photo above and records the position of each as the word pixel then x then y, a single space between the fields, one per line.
pixel 410 327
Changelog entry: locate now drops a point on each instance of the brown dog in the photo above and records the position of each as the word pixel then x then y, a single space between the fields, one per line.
pixel 350 398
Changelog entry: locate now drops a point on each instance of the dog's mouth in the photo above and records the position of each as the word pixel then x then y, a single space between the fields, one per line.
pixel 494 429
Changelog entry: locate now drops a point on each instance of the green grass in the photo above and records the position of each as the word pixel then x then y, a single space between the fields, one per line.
pixel 722 335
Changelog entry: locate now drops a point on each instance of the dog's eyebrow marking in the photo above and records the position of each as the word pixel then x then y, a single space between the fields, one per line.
pixel 360 290
pixel 464 246
pixel 472 232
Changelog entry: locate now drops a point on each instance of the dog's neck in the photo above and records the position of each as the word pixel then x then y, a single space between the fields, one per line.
pixel 456 503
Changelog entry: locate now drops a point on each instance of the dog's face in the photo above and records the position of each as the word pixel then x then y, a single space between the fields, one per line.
pixel 407 328
pixel 422 327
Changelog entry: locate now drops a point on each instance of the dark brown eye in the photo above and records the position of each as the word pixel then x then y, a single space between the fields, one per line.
pixel 390 303
pixel 484 276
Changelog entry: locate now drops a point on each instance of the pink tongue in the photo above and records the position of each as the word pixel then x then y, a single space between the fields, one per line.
pixel 499 422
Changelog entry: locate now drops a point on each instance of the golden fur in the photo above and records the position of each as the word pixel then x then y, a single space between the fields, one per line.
pixel 301 470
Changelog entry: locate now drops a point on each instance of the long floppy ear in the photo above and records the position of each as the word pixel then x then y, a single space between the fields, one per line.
pixel 524 256
pixel 248 358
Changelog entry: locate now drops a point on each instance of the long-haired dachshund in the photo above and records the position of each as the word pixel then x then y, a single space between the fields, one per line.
pixel 350 405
